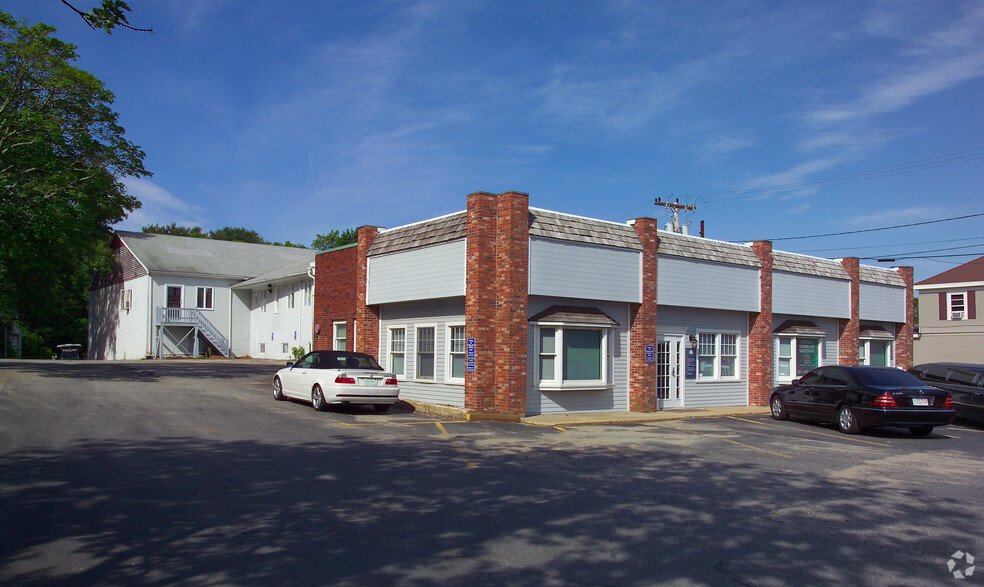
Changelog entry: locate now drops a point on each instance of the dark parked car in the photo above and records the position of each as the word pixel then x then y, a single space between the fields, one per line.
pixel 68 351
pixel 965 382
pixel 859 397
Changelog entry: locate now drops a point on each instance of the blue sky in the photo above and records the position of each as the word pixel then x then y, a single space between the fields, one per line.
pixel 295 118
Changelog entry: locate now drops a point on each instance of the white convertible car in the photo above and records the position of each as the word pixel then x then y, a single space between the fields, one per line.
pixel 337 377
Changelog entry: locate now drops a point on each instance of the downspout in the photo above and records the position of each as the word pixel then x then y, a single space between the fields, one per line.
pixel 310 274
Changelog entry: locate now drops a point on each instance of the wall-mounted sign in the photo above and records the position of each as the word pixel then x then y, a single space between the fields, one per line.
pixel 690 363
pixel 470 355
pixel 650 353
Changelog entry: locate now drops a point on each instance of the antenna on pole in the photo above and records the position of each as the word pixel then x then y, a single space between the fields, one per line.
pixel 676 207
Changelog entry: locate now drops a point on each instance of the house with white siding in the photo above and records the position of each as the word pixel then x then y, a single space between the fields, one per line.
pixel 173 296
pixel 504 308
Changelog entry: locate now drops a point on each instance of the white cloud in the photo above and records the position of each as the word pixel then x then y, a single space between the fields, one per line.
pixel 159 206
pixel 891 217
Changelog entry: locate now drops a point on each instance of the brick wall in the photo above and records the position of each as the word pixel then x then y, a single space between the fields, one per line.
pixel 903 333
pixel 335 278
pixel 125 266
pixel 642 329
pixel 760 362
pixel 367 317
pixel 480 298
pixel 847 346
pixel 512 301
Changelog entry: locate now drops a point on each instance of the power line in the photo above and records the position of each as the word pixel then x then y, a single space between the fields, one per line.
pixel 926 251
pixel 789 238
pixel 948 240
pixel 891 259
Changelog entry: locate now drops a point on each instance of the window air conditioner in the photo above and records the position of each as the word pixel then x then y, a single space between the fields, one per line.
pixel 956 315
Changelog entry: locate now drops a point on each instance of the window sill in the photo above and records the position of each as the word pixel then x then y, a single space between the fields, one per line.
pixel 575 387
pixel 719 380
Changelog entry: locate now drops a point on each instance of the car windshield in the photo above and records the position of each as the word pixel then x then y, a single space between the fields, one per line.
pixel 887 377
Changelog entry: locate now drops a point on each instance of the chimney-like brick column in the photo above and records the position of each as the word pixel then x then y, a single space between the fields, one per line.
pixel 760 376
pixel 366 317
pixel 847 344
pixel 512 301
pixel 904 332
pixel 642 329
pixel 336 274
pixel 480 298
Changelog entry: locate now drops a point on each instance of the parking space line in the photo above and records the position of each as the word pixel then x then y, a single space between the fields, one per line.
pixel 837 436
pixel 624 454
pixel 778 454
pixel 561 429
pixel 441 428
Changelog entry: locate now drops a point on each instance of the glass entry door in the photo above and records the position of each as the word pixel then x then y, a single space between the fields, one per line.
pixel 669 384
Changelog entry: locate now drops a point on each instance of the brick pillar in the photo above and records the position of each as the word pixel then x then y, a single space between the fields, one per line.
pixel 335 275
pixel 512 301
pixel 480 299
pixel 642 326
pixel 903 332
pixel 847 344
pixel 366 317
pixel 760 346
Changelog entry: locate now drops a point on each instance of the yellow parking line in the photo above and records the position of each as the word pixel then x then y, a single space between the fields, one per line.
pixel 757 448
pixel 837 436
pixel 441 428
pixel 624 454
pixel 561 429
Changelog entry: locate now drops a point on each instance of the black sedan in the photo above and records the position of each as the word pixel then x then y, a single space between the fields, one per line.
pixel 963 381
pixel 861 397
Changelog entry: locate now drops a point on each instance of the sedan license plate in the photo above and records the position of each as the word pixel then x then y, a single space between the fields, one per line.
pixel 920 401
pixel 369 381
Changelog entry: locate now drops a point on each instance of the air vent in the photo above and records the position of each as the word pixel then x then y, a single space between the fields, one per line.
pixel 956 315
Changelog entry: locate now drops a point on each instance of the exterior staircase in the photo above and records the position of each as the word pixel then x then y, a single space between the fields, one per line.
pixel 193 322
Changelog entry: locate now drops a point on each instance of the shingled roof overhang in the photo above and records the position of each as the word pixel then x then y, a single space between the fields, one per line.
pixel 574 315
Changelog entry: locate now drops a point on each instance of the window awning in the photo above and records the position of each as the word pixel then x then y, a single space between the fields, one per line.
pixel 875 333
pixel 574 315
pixel 799 327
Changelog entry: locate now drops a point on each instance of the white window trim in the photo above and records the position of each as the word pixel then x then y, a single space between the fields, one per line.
pixel 963 305
pixel 792 360
pixel 448 354
pixel 866 343
pixel 334 335
pixel 389 349
pixel 717 356
pixel 558 383
pixel 416 337
pixel 276 300
pixel 210 298
pixel 291 299
pixel 180 287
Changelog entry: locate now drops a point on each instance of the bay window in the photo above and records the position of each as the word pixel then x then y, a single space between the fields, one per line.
pixel 572 356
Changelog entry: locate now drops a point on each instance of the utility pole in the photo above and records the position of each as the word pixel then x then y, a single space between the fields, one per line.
pixel 676 207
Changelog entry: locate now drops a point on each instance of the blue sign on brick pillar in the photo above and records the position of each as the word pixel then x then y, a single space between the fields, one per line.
pixel 470 358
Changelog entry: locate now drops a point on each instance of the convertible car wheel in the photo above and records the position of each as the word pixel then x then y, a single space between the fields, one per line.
pixel 318 399
pixel 278 389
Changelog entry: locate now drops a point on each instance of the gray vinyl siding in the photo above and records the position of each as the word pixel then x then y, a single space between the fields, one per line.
pixel 614 399
pixel 704 284
pixel 434 313
pixel 686 321
pixel 578 270
pixel 808 295
pixel 426 273
pixel 882 302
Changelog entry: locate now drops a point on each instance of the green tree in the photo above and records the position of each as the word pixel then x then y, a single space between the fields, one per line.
pixel 107 16
pixel 243 235
pixel 335 239
pixel 62 155
pixel 174 230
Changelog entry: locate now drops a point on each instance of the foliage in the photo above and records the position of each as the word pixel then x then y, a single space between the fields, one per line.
pixel 107 16
pixel 334 239
pixel 242 235
pixel 62 154
pixel 33 346
pixel 174 230
pixel 297 352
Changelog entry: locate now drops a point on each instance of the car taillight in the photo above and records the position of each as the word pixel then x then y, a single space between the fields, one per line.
pixel 948 403
pixel 885 400
pixel 391 381
pixel 344 379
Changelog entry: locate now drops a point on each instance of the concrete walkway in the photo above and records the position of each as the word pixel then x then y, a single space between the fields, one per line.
pixel 584 419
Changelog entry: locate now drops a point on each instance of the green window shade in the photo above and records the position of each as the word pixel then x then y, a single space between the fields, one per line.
pixel 582 354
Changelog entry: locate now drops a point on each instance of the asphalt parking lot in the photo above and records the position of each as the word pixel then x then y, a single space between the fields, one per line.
pixel 189 472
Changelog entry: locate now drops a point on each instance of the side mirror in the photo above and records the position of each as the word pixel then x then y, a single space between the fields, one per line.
pixel 290 364
pixel 797 382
